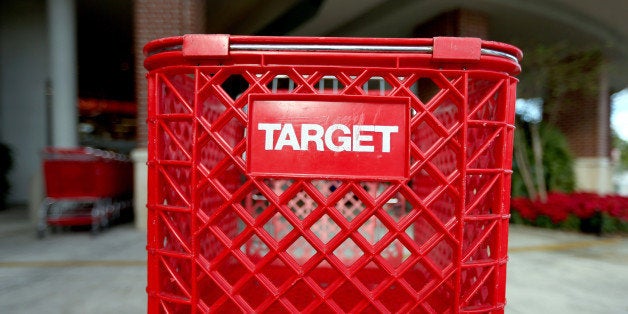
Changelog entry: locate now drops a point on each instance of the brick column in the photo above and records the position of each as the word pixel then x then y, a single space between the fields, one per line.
pixel 457 23
pixel 583 115
pixel 154 19
pixel 157 19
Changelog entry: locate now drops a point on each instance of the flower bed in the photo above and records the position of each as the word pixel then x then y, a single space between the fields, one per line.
pixel 587 212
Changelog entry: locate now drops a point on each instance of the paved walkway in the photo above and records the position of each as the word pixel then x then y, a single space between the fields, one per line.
pixel 70 272
pixel 559 272
pixel 73 272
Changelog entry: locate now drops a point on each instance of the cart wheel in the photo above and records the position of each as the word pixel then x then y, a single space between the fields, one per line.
pixel 96 227
pixel 104 222
pixel 95 230
pixel 42 224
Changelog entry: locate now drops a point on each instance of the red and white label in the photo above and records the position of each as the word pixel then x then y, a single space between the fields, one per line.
pixel 360 137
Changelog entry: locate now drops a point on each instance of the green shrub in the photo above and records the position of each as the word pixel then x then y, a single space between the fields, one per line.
pixel 557 161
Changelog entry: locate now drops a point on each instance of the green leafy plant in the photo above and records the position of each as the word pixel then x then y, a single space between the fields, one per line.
pixel 536 175
pixel 622 147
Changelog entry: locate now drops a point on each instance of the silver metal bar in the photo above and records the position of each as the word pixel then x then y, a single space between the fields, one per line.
pixel 496 53
pixel 364 48
pixel 295 47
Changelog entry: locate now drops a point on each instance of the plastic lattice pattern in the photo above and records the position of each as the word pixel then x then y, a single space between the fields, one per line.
pixel 221 240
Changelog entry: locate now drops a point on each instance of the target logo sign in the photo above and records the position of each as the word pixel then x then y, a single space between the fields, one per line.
pixel 328 136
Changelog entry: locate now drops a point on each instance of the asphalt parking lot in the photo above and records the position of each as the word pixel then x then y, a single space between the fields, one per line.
pixel 73 272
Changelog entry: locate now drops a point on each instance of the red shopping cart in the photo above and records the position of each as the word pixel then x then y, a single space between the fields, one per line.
pixel 84 186
pixel 328 175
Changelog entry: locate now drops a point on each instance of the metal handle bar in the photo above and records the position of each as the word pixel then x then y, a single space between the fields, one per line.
pixel 353 48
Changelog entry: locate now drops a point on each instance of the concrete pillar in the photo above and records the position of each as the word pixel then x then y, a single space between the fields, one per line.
pixel 63 73
pixel 154 19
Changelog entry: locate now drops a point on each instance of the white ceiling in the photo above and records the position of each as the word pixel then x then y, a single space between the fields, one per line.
pixel 526 23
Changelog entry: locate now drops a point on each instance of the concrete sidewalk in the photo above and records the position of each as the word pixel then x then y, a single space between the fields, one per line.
pixel 560 272
pixel 70 272
pixel 73 272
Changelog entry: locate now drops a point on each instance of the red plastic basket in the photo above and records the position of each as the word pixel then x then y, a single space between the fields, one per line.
pixel 85 173
pixel 295 174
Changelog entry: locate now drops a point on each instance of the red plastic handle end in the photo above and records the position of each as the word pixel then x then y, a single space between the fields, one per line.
pixel 457 49
pixel 203 45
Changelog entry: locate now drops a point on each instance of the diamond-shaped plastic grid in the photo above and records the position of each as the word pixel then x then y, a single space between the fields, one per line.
pixel 228 241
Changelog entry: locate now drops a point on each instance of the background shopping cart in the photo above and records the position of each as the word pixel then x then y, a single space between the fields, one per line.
pixel 84 186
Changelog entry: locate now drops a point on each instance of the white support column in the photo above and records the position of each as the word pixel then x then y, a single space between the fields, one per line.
pixel 63 73
pixel 593 174
pixel 140 187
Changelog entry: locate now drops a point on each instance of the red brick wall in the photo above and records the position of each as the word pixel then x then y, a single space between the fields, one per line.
pixel 578 103
pixel 155 19
pixel 576 117
pixel 584 118
pixel 459 23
